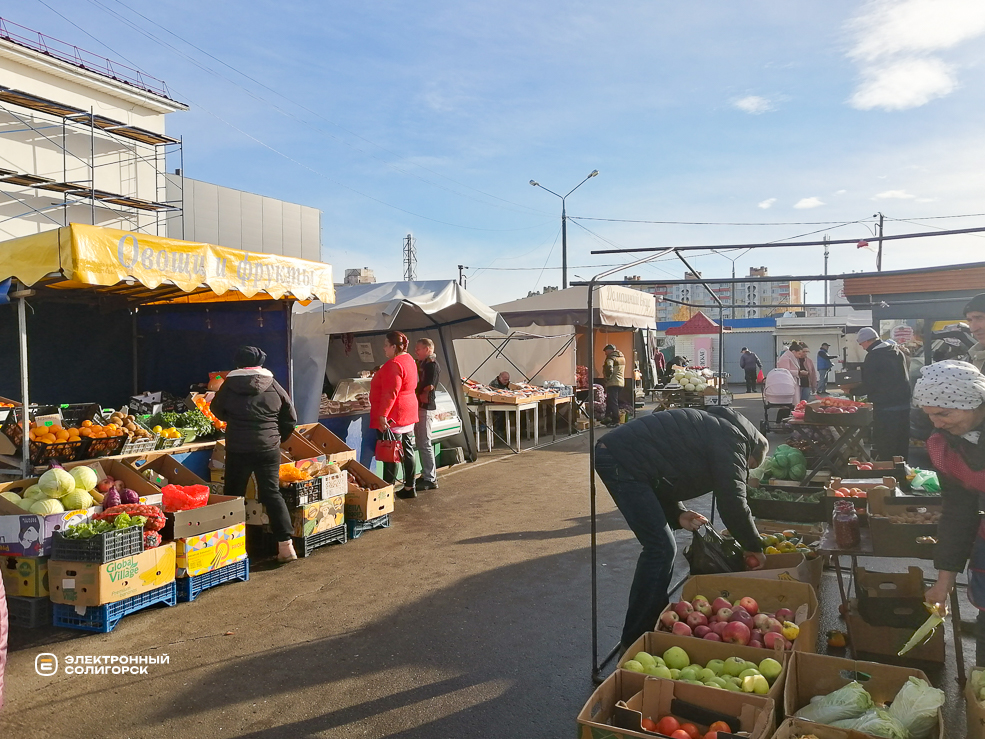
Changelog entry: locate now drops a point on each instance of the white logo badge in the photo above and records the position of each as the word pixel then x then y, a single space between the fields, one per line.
pixel 46 664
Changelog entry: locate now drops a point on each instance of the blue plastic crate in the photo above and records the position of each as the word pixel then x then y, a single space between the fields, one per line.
pixel 356 528
pixel 189 588
pixel 103 619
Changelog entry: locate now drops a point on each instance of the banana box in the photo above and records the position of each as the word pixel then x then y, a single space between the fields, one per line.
pixel 206 552
pixel 307 520
pixel 25 576
pixel 92 584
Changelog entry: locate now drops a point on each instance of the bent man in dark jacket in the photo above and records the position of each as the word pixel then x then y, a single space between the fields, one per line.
pixel 886 385
pixel 259 417
pixel 655 462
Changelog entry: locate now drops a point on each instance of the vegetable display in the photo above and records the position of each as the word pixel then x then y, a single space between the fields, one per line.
pixel 58 491
pixel 154 516
pixel 194 420
pixel 787 463
pixel 734 673
pixel 787 496
pixel 101 526
pixel 786 542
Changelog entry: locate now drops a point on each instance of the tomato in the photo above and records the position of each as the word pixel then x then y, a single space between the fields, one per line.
pixel 668 725
pixel 839 494
pixel 711 735
pixel 844 491
pixel 691 730
pixel 679 734
pixel 865 466
pixel 649 724
pixel 861 494
pixel 720 726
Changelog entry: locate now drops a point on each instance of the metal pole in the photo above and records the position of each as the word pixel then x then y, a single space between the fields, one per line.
pixel 564 247
pixel 591 476
pixel 25 390
pixel 825 274
pixel 92 165
pixel 879 252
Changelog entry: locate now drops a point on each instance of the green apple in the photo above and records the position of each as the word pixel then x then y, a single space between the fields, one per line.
pixel 748 673
pixel 675 674
pixel 735 665
pixel 717 665
pixel 770 669
pixel 704 674
pixel 734 680
pixel 633 665
pixel 689 674
pixel 750 666
pixel 732 686
pixel 676 658
pixel 659 671
pixel 645 659
pixel 755 684
pixel 719 681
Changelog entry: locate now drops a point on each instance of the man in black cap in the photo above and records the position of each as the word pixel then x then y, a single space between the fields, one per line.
pixel 750 365
pixel 614 374
pixel 974 312
pixel 259 417
pixel 824 364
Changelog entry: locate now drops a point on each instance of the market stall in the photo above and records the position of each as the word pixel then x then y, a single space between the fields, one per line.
pixel 341 344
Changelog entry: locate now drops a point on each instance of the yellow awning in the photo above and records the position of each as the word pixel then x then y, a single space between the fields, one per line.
pixel 79 255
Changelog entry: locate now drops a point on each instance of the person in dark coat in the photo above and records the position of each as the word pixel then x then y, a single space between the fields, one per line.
pixel 825 362
pixel 751 366
pixel 885 384
pixel 259 417
pixel 654 463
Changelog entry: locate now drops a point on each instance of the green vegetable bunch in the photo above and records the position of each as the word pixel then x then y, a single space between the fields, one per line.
pixel 788 463
pixel 89 530
pixel 194 419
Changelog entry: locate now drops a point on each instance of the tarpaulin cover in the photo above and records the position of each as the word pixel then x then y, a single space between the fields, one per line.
pixel 95 256
pixel 618 306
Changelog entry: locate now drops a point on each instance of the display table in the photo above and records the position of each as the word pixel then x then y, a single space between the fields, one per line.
pixel 829 546
pixel 553 404
pixel 506 409
pixel 849 441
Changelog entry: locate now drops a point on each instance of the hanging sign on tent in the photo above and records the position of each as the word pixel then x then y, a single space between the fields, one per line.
pixel 365 351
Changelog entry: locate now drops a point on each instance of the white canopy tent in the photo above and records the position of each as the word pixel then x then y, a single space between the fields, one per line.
pixel 440 310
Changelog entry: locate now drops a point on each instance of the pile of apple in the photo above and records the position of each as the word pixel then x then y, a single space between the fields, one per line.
pixel 734 673
pixel 736 623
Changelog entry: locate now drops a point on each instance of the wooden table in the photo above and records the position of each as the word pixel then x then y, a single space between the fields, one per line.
pixel 506 409
pixel 553 403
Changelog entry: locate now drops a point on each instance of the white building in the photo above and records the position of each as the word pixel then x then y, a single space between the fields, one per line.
pixel 783 294
pixel 82 139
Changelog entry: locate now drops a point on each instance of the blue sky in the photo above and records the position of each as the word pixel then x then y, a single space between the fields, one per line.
pixel 431 118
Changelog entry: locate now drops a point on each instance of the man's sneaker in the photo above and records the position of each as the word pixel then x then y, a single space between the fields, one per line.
pixel 406 493
pixel 425 485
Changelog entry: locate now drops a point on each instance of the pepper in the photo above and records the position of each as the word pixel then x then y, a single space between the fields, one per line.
pixel 836 639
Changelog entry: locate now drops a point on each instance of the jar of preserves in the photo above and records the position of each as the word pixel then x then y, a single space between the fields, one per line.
pixel 848 534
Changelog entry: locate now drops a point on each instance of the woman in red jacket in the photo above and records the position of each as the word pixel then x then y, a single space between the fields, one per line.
pixel 393 406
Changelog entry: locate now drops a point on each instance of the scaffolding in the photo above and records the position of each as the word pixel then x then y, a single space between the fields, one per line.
pixel 87 141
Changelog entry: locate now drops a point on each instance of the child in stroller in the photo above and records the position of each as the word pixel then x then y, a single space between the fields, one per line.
pixel 782 391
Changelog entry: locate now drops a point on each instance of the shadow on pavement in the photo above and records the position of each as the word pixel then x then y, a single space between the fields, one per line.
pixel 610 521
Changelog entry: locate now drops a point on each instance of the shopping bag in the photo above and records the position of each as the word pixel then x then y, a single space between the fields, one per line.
pixel 760 377
pixel 388 447
pixel 184 498
pixel 710 553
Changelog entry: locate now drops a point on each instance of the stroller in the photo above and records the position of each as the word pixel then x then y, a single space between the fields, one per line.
pixel 780 391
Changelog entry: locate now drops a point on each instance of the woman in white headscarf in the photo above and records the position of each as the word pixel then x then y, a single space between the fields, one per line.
pixel 952 394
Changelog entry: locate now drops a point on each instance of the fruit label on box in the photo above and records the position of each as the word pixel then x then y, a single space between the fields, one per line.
pixel 206 552
pixel 322 515
pixel 25 576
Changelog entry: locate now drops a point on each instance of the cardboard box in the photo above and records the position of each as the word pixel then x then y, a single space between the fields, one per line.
pixel 203 553
pixel 167 467
pixel 218 460
pixel 701 651
pixel 25 576
pixel 298 448
pixel 93 584
pixel 771 595
pixel 327 443
pixel 375 500
pixel 890 598
pixel 793 728
pixel 29 534
pixel 793 567
pixel 220 512
pixel 625 698
pixel 901 539
pixel 886 640
pixel 309 519
pixel 974 710
pixel 817 674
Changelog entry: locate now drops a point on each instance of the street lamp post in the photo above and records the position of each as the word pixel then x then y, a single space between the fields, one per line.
pixel 564 224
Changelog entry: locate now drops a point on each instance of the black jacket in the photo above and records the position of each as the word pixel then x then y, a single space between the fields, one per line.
pixel 257 409
pixel 685 453
pixel 884 378
pixel 428 373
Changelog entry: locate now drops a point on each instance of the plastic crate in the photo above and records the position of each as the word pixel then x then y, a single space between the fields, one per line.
pixel 303 492
pixel 102 548
pixel 190 587
pixel 103 619
pixel 140 446
pixel 163 443
pixel 262 544
pixel 356 528
pixel 28 613
pixel 108 447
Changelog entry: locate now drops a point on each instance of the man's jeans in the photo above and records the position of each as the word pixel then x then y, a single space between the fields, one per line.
pixel 638 503
pixel 422 433
pixel 822 383
pixel 612 404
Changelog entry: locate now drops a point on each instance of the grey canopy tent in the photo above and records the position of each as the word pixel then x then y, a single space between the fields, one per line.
pixel 441 310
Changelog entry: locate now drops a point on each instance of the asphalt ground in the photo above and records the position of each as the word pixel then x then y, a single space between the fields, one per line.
pixel 469 617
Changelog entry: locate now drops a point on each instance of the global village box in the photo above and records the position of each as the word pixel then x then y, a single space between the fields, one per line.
pixel 203 553
pixel 93 584
pixel 29 534
pixel 25 576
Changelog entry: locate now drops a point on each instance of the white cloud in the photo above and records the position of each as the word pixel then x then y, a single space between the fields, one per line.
pixel 926 200
pixel 804 203
pixel 893 46
pixel 753 104
pixel 840 192
pixel 894 195
pixel 768 203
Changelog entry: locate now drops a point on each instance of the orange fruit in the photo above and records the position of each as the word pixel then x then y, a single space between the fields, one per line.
pixel 48 439
pixel 85 432
pixel 55 428
pixel 111 426
pixel 62 435
pixel 86 424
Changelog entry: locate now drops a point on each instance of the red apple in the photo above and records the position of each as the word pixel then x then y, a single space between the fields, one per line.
pixel 681 629
pixel 104 486
pixel 750 605
pixel 736 632
pixel 761 621
pixel 774 627
pixel 669 618
pixel 772 639
pixel 682 608
pixel 712 636
pixel 700 631
pixel 696 619
pixel 720 603
pixel 718 627
pixel 783 614
pixel 756 639
pixel 741 616
pixel 701 605
pixel 725 614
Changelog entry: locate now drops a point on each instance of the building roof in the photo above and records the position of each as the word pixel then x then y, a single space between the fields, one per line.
pixel 954 277
pixel 699 323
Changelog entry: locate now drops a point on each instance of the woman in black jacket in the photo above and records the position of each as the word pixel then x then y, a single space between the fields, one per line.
pixel 651 465
pixel 259 417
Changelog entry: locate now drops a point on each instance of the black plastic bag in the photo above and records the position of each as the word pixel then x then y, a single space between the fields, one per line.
pixel 710 553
